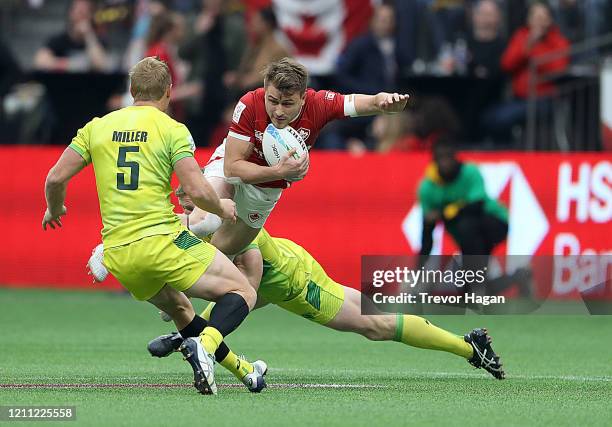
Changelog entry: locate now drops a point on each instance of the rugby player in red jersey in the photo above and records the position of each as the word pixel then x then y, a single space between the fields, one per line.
pixel 238 169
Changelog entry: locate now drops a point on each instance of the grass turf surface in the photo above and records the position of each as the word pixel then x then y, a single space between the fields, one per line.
pixel 559 369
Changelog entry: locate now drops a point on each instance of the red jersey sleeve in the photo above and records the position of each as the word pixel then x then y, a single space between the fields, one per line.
pixel 329 105
pixel 242 126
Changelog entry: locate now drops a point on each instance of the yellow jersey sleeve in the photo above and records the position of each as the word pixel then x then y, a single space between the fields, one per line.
pixel 81 142
pixel 181 144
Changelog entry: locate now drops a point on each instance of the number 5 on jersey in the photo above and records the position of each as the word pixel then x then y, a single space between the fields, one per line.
pixel 134 169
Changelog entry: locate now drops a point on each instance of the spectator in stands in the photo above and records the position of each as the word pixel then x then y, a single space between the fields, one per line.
pixel 166 32
pixel 144 11
pixel 368 65
pixel 539 37
pixel 213 49
pixel 485 42
pixel 78 48
pixel 485 45
pixel 263 49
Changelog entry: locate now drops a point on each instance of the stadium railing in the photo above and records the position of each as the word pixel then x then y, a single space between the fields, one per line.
pixel 570 121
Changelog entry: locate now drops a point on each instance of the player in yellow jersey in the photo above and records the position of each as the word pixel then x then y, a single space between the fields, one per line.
pixel 285 274
pixel 292 279
pixel 288 276
pixel 134 152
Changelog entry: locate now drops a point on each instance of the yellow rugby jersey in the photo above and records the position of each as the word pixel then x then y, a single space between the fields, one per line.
pixel 133 152
pixel 287 267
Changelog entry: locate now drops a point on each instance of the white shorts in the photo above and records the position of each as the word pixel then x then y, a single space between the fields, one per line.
pixel 253 204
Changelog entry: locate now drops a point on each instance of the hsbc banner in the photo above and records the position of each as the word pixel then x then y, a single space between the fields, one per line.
pixel 345 208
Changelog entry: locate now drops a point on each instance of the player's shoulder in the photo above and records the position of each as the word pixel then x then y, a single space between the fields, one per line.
pixel 470 169
pixel 253 97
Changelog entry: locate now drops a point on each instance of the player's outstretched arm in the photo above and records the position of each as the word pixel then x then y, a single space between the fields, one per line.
pixel 68 165
pixel 381 103
pixel 200 191
pixel 236 165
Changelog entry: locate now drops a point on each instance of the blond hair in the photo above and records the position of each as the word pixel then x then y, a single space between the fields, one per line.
pixel 287 75
pixel 149 79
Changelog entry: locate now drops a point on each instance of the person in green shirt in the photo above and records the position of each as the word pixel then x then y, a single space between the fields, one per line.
pixel 453 192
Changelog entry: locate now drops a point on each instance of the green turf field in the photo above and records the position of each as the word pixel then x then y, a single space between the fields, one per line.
pixel 559 370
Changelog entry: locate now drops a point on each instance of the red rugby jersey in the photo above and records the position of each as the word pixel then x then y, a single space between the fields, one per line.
pixel 250 120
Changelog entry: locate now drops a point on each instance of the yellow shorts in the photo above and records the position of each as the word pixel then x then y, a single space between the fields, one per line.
pixel 145 266
pixel 320 300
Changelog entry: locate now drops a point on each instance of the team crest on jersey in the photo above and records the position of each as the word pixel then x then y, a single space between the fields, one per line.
pixel 238 112
pixel 254 217
pixel 259 135
pixel 329 96
pixel 304 133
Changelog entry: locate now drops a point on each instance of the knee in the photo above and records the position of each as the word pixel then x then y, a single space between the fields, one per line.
pixel 249 294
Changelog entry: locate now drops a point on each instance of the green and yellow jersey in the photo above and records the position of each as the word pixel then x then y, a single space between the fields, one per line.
pixel 133 152
pixel 295 281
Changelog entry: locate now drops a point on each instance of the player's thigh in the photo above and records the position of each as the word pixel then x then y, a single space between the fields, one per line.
pixel 320 300
pixel 232 238
pixel 220 278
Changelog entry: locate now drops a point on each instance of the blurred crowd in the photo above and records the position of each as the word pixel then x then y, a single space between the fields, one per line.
pixel 215 50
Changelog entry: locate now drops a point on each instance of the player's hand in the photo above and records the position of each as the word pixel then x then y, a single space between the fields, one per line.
pixel 228 210
pixel 291 169
pixel 53 219
pixel 390 103
pixel 186 203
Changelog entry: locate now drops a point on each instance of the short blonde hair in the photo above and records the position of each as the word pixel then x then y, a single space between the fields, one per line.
pixel 286 75
pixel 149 79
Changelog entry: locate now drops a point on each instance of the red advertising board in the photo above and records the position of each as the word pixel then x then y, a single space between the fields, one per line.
pixel 346 207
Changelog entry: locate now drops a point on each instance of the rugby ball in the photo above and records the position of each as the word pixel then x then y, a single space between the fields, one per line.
pixel 277 142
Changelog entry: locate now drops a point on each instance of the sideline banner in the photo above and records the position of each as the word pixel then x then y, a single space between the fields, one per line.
pixel 346 207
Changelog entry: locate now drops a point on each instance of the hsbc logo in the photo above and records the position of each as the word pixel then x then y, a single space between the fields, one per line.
pixel 528 225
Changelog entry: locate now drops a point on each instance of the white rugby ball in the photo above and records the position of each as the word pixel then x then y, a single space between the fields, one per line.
pixel 277 142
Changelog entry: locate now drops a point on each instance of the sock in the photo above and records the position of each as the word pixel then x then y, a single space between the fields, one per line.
pixel 206 313
pixel 419 332
pixel 196 327
pixel 236 365
pixel 211 339
pixel 228 313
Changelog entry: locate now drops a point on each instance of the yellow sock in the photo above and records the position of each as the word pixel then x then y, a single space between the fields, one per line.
pixel 206 313
pixel 211 338
pixel 419 332
pixel 236 365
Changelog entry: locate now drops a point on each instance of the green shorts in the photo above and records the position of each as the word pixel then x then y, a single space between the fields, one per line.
pixel 145 266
